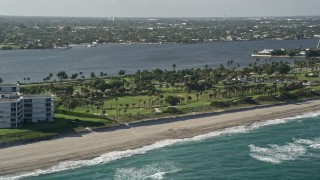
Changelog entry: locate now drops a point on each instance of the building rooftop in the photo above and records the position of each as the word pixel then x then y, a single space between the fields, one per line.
pixel 6 85
pixel 36 95
pixel 8 100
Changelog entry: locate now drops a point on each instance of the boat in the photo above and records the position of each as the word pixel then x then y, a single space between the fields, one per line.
pixel 263 53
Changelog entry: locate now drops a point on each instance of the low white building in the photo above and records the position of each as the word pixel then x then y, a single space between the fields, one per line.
pixel 16 109
pixel 38 108
pixel 11 112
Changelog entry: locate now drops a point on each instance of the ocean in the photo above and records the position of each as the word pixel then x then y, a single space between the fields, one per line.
pixel 15 65
pixel 276 149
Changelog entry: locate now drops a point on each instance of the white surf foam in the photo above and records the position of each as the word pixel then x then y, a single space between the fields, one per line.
pixel 111 156
pixel 153 171
pixel 290 151
pixel 277 154
pixel 284 120
pixel 315 144
pixel 303 141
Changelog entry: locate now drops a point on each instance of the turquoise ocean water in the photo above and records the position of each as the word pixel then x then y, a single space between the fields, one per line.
pixel 277 149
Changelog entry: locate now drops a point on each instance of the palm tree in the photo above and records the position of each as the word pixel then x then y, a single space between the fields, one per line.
pixel 1 81
pixel 174 67
pixel 62 75
pixel 92 75
pixel 116 99
pixel 201 95
pixel 149 102
pixel 121 73
pixel 139 103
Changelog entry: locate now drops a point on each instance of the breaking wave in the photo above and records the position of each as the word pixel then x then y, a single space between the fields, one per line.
pixel 153 171
pixel 276 154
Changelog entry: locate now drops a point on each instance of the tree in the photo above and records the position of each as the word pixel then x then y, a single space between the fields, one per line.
pixel 92 75
pixel 189 98
pixel 197 95
pixel 172 100
pixel 103 112
pixel 121 73
pixel 139 103
pixel 1 81
pixel 174 67
pixel 62 75
pixel 116 99
pixel 74 76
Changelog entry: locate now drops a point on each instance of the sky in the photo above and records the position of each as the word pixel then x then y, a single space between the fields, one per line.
pixel 160 8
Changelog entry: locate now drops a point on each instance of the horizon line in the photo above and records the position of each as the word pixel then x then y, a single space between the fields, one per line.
pixel 160 17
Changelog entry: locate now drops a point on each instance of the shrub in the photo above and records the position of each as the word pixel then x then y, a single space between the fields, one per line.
pixel 172 100
pixel 286 96
pixel 172 110
pixel 266 98
pixel 246 100
pixel 306 93
pixel 220 104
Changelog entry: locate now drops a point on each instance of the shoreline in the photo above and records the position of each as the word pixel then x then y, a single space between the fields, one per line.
pixel 271 56
pixel 157 43
pixel 44 154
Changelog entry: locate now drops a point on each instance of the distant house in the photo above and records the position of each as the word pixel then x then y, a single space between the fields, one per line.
pixel 16 108
pixel 231 38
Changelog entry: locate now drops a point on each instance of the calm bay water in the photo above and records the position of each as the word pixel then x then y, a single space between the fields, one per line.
pixel 278 149
pixel 36 64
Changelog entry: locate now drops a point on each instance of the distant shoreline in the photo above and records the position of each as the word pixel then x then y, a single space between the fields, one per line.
pixel 152 43
pixel 271 56
pixel 45 154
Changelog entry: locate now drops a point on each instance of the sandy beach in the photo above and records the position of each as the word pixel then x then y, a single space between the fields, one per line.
pixel 45 154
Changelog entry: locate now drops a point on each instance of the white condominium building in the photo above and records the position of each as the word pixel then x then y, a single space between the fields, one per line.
pixel 16 108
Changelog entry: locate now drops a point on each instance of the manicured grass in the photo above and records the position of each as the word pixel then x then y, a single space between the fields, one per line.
pixel 111 105
pixel 194 105
pixel 62 125
pixel 11 131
